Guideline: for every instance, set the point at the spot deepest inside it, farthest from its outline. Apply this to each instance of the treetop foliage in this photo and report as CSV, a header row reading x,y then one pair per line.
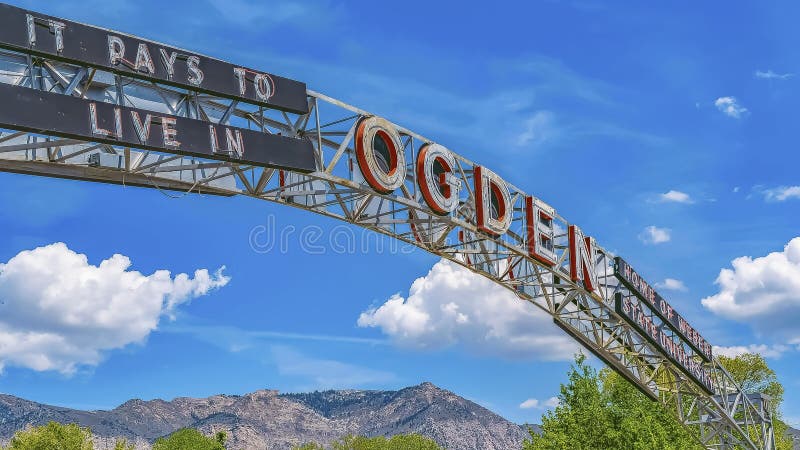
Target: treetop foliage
x,y
53,436
753,374
189,438
57,436
601,410
398,442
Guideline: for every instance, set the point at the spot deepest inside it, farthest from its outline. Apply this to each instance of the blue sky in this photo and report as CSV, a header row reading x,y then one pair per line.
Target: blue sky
x,y
667,132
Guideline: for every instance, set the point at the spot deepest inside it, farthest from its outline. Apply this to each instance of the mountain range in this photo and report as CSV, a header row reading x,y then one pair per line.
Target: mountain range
x,y
269,420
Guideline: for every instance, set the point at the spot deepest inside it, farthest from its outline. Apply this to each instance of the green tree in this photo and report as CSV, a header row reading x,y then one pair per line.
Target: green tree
x,y
190,439
753,374
603,411
123,444
221,437
309,446
398,442
640,422
53,436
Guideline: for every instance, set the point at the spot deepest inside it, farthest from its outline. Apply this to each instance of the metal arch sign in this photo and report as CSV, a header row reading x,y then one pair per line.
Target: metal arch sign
x,y
431,182
360,169
65,40
380,152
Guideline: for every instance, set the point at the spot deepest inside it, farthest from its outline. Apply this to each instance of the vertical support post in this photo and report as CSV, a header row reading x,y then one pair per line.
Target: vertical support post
x,y
120,93
320,154
33,73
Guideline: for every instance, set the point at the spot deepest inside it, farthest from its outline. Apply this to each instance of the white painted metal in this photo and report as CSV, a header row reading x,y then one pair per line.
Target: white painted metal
x,y
336,189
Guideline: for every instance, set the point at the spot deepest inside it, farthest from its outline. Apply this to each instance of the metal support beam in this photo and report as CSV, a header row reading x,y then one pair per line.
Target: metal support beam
x,y
728,418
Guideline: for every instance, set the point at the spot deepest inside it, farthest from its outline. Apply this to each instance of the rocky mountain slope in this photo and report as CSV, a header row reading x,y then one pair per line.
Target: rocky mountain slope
x,y
795,435
269,420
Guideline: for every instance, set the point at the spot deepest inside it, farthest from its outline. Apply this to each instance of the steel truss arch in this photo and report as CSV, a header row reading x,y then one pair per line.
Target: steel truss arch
x,y
337,189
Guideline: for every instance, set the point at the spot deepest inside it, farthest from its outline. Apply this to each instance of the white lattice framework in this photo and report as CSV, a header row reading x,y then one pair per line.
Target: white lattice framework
x,y
729,419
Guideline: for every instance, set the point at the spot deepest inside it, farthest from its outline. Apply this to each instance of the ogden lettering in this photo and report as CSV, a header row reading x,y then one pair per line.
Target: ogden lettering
x,y
582,257
540,231
439,186
492,202
380,155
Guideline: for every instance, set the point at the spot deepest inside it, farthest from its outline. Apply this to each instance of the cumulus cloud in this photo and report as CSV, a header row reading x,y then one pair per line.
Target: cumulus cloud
x,y
730,107
533,403
763,292
671,284
767,351
675,197
772,75
655,235
452,306
781,193
58,311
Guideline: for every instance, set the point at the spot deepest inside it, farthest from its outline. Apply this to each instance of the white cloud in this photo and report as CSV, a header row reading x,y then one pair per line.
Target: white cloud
x,y
453,306
57,311
763,292
533,403
781,193
552,402
655,235
326,373
771,75
237,339
671,284
676,197
730,107
767,351
537,129
510,111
